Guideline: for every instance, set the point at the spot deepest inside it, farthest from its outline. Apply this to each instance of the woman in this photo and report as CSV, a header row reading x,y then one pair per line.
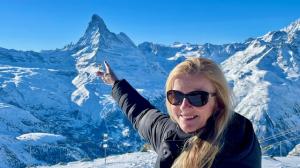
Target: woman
x,y
201,129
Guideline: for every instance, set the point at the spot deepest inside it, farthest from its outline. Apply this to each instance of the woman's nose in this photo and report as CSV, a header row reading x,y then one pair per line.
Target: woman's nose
x,y
185,104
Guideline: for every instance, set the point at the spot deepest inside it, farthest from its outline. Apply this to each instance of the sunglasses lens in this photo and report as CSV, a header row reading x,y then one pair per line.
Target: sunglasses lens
x,y
175,97
198,98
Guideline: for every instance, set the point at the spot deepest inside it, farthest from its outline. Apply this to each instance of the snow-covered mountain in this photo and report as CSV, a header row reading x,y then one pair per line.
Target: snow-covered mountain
x,y
266,81
264,75
60,94
54,109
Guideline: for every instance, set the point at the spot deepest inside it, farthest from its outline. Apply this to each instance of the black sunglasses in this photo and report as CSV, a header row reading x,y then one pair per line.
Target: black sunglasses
x,y
195,98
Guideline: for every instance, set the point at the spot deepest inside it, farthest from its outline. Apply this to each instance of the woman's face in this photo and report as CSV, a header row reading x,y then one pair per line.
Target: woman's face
x,y
191,118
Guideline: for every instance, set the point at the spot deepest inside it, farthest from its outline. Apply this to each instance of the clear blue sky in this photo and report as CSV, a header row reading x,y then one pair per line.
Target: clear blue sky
x,y
50,24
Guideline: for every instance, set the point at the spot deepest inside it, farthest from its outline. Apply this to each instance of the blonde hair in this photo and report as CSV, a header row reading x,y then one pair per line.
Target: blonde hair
x,y
202,152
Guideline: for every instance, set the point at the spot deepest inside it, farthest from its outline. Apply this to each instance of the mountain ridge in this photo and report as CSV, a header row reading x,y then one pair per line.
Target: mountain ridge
x,y
61,92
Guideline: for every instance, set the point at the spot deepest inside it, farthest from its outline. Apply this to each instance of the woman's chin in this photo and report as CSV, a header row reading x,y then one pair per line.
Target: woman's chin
x,y
188,129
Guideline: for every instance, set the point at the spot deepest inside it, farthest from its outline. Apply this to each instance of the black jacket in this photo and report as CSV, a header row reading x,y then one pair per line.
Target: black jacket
x,y
240,150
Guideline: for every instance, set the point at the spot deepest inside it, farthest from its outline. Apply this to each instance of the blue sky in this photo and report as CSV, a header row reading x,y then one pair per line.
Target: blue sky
x,y
50,24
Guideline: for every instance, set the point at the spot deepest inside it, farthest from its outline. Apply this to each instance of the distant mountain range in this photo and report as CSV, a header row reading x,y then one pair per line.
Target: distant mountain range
x,y
55,93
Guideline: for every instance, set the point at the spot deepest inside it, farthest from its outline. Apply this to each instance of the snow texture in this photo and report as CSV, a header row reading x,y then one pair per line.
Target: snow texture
x,y
54,109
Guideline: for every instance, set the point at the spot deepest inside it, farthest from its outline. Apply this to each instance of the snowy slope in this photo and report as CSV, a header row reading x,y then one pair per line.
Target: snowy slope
x,y
295,151
265,81
128,160
59,89
260,71
55,94
147,160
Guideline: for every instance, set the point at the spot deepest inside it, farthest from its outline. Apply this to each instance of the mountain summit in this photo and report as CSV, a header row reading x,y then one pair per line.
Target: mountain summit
x,y
97,22
293,31
98,36
293,27
94,32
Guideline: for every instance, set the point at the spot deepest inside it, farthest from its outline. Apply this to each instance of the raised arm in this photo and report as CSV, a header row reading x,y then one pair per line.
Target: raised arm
x,y
150,122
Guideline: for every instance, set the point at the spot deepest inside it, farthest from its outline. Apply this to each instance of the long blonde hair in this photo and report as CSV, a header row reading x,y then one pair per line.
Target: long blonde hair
x,y
202,152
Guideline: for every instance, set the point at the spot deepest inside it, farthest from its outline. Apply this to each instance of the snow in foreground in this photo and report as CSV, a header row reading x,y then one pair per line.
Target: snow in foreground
x,y
128,160
147,160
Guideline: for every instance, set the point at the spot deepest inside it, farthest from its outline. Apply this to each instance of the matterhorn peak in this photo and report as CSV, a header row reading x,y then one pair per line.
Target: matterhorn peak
x,y
95,29
96,25
97,22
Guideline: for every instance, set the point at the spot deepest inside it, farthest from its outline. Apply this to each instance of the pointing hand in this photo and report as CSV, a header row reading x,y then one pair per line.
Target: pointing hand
x,y
108,76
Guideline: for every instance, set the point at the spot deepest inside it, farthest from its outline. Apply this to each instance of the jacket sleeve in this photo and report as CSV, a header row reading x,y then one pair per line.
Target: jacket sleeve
x,y
150,122
241,148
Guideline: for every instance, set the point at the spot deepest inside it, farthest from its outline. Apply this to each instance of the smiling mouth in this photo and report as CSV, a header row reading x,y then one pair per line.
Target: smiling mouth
x,y
189,117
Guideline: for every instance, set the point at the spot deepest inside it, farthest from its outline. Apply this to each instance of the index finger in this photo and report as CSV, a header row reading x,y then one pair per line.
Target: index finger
x,y
107,67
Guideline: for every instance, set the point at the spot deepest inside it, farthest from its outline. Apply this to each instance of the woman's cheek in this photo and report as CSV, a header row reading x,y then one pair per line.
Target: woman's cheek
x,y
175,112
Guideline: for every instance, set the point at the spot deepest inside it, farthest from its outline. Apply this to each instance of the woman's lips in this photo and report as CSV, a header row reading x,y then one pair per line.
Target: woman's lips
x,y
188,117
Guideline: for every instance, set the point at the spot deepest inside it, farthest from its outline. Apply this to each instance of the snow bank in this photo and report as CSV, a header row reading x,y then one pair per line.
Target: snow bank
x,y
40,138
